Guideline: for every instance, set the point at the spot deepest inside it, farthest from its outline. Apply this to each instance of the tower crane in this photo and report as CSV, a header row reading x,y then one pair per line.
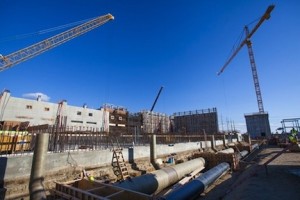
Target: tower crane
x,y
22,55
248,42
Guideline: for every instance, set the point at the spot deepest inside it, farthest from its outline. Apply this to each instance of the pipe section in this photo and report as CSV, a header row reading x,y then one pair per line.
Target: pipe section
x,y
158,180
224,141
227,151
36,186
242,154
194,188
254,146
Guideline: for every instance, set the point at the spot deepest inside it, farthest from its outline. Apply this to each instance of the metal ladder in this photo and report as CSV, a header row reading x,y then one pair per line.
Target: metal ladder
x,y
118,162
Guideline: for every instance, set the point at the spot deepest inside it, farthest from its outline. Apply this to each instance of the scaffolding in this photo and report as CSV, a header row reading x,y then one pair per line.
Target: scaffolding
x,y
154,122
288,124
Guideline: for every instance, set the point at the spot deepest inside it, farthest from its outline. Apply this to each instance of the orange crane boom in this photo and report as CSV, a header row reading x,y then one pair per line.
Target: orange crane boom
x,y
54,41
247,41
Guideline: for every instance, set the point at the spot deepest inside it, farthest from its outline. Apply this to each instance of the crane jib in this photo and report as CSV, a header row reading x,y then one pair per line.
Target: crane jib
x,y
54,41
247,41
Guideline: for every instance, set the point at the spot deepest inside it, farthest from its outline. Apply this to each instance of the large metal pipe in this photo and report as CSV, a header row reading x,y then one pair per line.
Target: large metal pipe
x,y
36,186
227,151
158,180
242,154
254,146
194,188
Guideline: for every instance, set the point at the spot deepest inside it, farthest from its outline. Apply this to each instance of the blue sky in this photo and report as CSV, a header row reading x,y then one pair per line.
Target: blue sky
x,y
178,44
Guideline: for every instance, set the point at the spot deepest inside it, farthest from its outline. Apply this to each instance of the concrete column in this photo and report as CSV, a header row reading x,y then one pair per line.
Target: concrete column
x,y
213,143
237,137
36,186
200,146
224,141
153,155
249,139
153,148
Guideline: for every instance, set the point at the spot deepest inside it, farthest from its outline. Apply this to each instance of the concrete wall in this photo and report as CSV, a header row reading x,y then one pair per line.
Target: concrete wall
x,y
196,121
258,124
62,167
18,166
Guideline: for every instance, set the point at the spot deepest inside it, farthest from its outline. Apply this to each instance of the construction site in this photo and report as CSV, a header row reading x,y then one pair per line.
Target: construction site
x,y
57,151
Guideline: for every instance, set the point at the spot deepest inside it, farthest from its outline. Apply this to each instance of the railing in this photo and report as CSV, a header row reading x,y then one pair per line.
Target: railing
x,y
16,143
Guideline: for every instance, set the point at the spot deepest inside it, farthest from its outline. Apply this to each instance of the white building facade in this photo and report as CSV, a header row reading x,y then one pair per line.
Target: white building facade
x,y
38,112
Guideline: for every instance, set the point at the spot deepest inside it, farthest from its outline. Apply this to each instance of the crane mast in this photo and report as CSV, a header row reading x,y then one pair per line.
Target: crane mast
x,y
254,74
22,55
248,42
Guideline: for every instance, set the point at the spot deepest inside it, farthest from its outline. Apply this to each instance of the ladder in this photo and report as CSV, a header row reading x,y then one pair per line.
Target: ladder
x,y
118,163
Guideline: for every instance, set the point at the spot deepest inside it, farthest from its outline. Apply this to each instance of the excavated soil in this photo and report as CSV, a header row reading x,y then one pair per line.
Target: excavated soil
x,y
281,179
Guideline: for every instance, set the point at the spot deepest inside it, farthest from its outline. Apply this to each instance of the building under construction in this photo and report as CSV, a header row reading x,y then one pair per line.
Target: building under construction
x,y
118,117
148,122
109,118
197,121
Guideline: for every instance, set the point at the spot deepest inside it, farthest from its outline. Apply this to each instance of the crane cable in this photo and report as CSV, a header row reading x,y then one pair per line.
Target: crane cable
x,y
26,35
240,39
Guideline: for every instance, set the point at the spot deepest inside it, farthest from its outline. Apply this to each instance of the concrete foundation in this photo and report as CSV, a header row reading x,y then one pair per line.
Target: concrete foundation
x,y
15,170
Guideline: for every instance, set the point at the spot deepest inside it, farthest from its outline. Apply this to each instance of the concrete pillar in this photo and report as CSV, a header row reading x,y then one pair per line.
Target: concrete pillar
x,y
36,186
153,148
249,139
237,137
153,155
200,146
224,141
213,143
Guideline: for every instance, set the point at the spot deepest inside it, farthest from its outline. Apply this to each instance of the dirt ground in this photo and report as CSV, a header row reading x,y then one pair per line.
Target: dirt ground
x,y
280,181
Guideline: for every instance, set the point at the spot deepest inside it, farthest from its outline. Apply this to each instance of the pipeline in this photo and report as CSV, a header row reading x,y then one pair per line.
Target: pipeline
x,y
227,151
194,188
242,154
254,146
158,180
